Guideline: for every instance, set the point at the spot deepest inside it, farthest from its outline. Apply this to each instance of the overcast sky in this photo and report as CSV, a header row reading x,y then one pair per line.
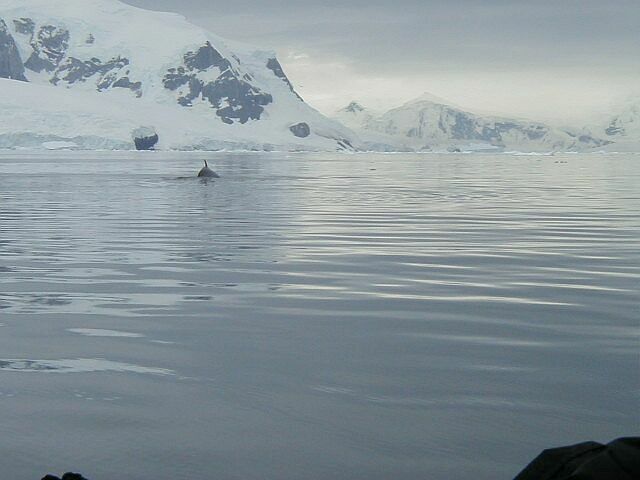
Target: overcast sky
x,y
558,60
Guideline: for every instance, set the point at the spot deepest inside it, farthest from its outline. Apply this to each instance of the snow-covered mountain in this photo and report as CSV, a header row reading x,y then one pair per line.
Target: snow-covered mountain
x,y
90,72
355,116
623,128
364,121
428,123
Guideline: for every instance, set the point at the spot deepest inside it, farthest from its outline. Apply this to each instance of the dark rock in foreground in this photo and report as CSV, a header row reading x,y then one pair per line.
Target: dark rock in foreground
x,y
618,460
66,476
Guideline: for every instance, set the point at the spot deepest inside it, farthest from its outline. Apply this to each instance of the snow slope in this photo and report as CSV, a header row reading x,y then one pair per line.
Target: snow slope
x,y
89,72
623,128
427,123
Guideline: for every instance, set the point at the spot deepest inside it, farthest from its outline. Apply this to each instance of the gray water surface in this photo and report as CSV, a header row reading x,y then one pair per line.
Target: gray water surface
x,y
314,316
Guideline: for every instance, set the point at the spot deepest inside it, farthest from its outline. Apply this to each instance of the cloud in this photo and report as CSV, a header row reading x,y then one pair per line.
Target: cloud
x,y
523,57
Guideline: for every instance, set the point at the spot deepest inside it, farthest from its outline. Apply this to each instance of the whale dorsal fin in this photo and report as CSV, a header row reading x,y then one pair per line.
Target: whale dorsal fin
x,y
205,164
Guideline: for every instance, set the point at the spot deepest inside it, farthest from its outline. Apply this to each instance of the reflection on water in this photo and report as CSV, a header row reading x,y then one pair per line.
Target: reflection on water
x,y
78,365
312,316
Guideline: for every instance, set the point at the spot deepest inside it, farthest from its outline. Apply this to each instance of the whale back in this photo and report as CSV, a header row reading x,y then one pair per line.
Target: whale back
x,y
207,172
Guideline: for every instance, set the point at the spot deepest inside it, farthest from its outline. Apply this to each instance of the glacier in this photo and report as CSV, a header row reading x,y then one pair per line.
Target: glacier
x,y
93,74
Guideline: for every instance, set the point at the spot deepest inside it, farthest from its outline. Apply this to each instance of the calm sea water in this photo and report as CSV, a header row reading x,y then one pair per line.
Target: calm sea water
x,y
314,316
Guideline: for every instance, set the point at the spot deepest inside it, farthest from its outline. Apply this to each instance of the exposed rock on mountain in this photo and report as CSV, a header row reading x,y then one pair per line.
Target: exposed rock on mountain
x,y
141,67
10,62
627,122
274,65
427,124
622,128
49,47
104,75
242,100
356,116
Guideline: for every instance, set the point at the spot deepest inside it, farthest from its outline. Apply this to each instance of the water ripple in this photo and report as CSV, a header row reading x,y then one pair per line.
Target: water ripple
x,y
330,316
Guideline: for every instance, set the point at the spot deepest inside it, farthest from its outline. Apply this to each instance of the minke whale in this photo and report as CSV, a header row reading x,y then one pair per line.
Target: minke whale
x,y
207,172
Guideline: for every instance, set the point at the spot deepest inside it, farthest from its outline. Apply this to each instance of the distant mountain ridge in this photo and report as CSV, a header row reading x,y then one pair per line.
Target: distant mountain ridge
x,y
624,127
428,124
146,68
88,74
